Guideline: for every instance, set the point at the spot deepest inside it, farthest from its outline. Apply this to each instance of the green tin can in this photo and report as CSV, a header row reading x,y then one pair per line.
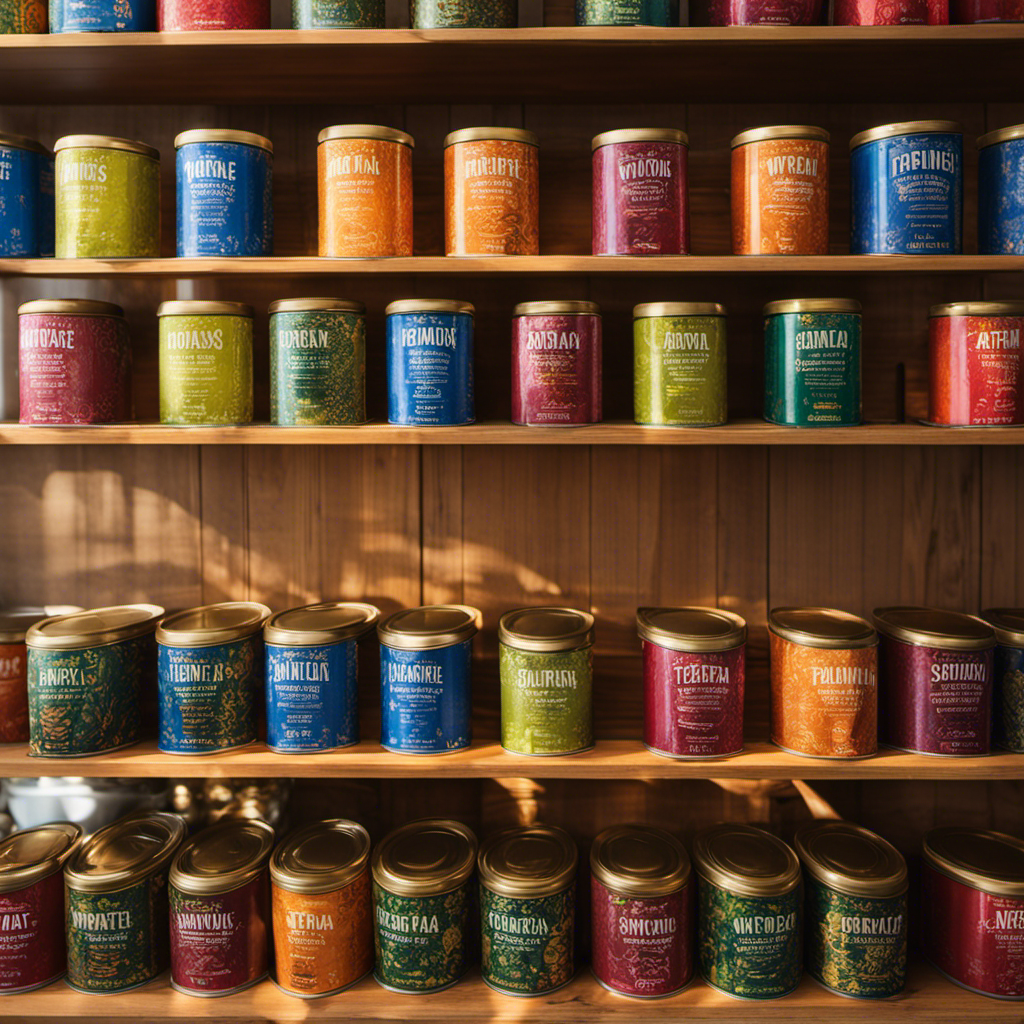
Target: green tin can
x,y
812,362
679,364
317,362
749,912
107,195
338,13
464,13
205,363
423,922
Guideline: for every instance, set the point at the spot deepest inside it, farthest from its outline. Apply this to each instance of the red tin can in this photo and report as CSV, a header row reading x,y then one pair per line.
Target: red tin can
x,y
211,15
756,12
890,12
973,12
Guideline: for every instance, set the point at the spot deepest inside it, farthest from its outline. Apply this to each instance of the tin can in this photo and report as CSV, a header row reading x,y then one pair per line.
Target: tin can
x,y
210,663
102,16
546,658
749,912
490,193
972,905
527,909
107,197
641,912
935,678
1001,191
973,12
464,13
627,12
33,952
26,196
907,188
23,17
855,909
317,362
756,12
74,362
212,15
1007,678
312,683
220,908
430,362
364,185
224,188
426,702
310,14
640,205
323,915
87,673
115,892
205,363
423,905
812,363
890,12
556,363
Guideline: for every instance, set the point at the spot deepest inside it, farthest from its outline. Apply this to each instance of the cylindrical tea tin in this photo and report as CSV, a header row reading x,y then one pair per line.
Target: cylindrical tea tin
x,y
307,14
87,674
527,909
627,12
23,17
1007,678
463,13
220,908
490,193
323,915
312,683
1001,191
546,662
907,188
364,184
317,362
824,682
205,363
210,667
212,15
973,12
430,362
972,905
115,894
812,362
694,673
102,16
935,680
32,953
889,12
974,367
855,912
107,197
556,363
423,905
640,204
755,12
780,191
641,912
74,362
26,209
750,911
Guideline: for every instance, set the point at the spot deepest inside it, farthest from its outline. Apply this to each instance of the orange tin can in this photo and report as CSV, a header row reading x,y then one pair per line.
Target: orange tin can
x,y
780,191
364,185
490,193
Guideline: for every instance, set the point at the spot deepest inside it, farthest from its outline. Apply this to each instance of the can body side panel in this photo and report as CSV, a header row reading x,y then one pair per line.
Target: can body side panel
x,y
33,949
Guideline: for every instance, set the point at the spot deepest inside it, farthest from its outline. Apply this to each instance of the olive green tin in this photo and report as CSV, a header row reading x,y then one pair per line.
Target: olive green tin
x,y
338,14
464,13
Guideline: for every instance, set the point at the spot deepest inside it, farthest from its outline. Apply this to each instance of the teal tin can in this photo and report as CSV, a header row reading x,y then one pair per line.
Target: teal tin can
x,y
338,13
812,362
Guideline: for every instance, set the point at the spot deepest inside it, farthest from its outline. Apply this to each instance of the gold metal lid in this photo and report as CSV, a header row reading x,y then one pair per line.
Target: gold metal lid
x,y
691,629
490,135
308,305
546,629
1015,131
554,307
812,306
1008,308
825,628
780,131
429,306
203,307
94,628
531,861
433,625
680,138
935,627
889,131
321,857
125,852
637,860
28,856
223,857
315,624
365,131
16,622
212,624
222,135
76,307
745,860
425,858
649,309
990,861
105,142
14,141
1008,624
851,859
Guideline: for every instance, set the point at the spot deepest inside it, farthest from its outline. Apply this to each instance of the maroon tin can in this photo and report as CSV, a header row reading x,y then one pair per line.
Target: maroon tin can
x,y
220,908
640,198
74,362
934,680
694,669
756,12
890,12
641,912
975,12
973,909
211,15
556,363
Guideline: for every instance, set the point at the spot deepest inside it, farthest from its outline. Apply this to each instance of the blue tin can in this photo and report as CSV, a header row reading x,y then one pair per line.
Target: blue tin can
x,y
224,193
430,362
907,189
425,670
209,671
26,197
102,16
312,682
1001,191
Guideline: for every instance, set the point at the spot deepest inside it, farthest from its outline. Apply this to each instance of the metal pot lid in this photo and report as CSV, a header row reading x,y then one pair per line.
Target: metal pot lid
x,y
616,135
425,858
94,628
653,309
935,627
16,622
812,306
429,306
203,307
72,307
851,859
977,308
223,135
318,303
429,627
532,861
212,624
326,623
1014,131
556,307
545,630
223,857
637,860
780,131
1008,624
745,860
491,135
105,142
11,140
32,854
822,627
322,857
365,131
889,131
990,861
693,629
